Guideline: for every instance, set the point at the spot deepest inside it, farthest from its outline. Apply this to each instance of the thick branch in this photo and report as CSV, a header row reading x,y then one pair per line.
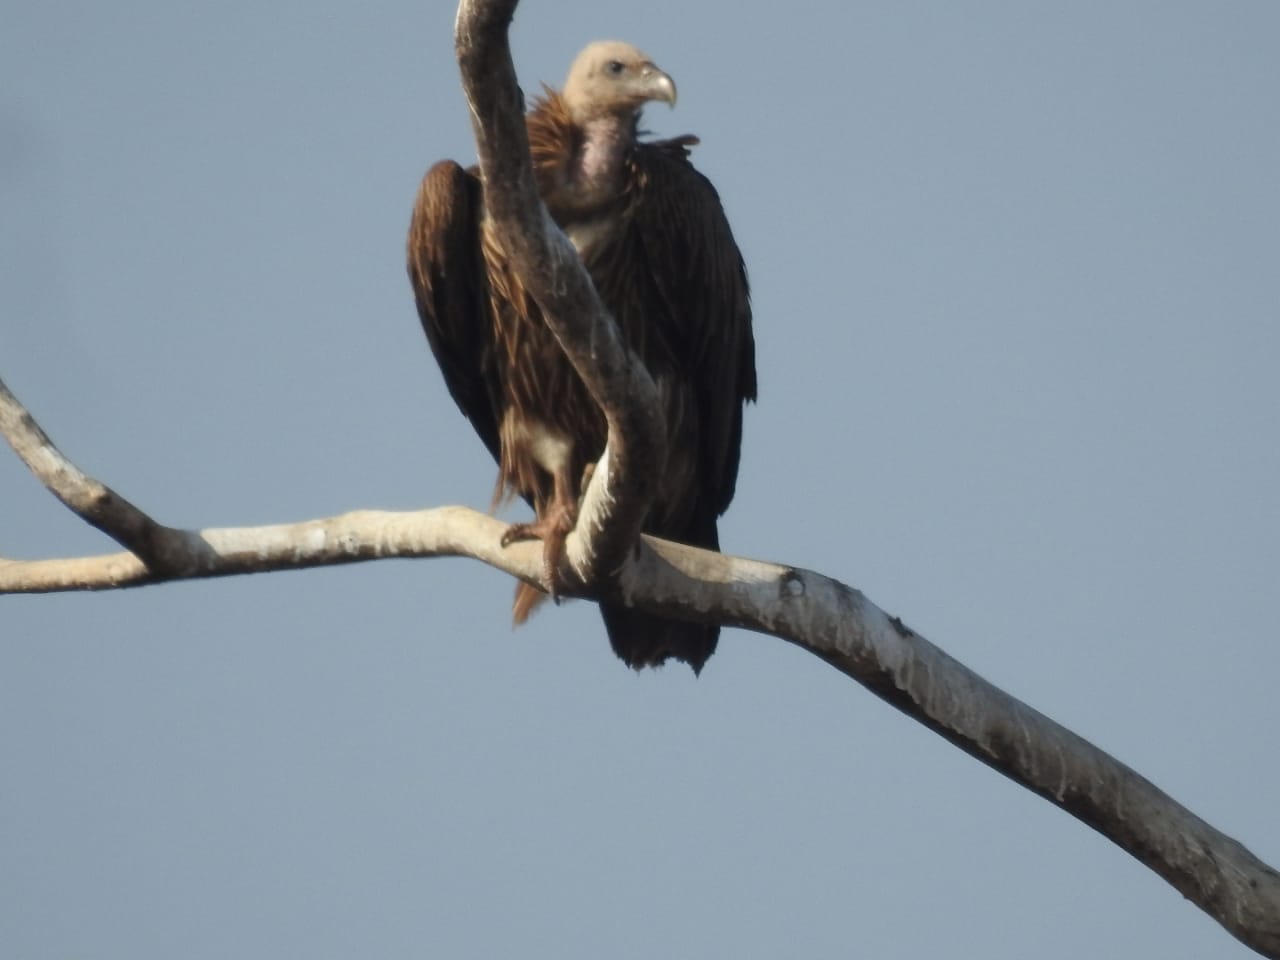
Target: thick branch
x,y
349,538
844,628
549,268
831,620
825,617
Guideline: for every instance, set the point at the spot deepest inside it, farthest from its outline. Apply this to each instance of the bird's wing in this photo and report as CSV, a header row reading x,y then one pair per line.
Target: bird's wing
x,y
446,268
698,271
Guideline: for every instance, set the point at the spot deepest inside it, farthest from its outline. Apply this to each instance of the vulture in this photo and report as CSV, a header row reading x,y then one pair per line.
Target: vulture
x,y
652,234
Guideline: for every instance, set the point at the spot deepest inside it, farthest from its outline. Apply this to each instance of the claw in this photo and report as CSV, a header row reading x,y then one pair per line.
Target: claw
x,y
555,520
518,533
553,530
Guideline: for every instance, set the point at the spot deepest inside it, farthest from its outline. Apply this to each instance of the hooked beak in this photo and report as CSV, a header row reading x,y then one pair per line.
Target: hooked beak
x,y
659,86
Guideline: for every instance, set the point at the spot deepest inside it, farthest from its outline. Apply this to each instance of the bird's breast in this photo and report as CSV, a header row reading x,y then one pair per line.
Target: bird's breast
x,y
549,447
588,233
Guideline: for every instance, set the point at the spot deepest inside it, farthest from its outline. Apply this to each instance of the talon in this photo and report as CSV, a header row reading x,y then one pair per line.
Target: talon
x,y
520,532
555,521
553,530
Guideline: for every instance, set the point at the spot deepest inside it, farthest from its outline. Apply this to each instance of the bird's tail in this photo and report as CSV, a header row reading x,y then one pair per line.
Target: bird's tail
x,y
644,640
639,639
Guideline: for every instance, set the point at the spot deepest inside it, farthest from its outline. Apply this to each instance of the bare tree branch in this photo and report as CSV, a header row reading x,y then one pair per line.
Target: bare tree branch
x,y
622,487
95,503
821,615
825,617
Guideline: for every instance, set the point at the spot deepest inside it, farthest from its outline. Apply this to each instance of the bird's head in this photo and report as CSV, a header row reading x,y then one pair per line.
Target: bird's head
x,y
610,78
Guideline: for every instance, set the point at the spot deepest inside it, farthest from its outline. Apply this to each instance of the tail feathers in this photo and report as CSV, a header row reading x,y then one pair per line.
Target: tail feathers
x,y
639,639
643,640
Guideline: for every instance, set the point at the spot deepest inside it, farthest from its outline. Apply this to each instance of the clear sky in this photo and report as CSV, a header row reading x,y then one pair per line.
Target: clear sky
x,y
1016,277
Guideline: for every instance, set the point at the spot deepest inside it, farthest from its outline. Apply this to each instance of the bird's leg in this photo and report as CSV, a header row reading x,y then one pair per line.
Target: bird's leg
x,y
552,527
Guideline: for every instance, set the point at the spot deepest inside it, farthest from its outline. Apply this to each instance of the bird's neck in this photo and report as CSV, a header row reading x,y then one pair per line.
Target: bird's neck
x,y
601,159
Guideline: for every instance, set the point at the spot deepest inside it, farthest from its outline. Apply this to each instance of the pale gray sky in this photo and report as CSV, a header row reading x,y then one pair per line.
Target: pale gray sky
x,y
1017,286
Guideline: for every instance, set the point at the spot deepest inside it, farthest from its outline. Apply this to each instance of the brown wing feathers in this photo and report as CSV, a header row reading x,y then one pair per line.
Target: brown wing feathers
x,y
448,280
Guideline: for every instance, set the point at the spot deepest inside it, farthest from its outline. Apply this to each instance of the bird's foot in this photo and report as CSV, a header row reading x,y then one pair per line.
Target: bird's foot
x,y
553,529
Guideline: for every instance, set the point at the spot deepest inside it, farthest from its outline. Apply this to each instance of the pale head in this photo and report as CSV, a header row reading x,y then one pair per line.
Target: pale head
x,y
614,79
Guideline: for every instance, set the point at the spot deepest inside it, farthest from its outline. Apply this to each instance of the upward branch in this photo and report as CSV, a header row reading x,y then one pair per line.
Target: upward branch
x,y
93,501
548,266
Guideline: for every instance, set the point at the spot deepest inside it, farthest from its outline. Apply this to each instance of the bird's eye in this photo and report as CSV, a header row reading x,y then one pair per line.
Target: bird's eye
x,y
614,67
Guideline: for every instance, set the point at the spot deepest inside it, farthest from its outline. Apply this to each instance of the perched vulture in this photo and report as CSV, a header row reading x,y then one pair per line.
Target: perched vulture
x,y
653,236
